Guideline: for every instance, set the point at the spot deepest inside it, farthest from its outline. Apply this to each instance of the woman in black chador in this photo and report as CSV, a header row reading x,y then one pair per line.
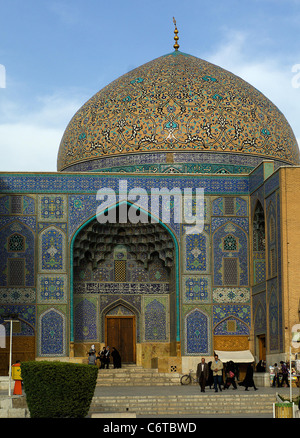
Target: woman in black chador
x,y
248,380
116,358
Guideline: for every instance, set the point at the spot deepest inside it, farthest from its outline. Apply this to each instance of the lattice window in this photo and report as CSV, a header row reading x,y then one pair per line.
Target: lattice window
x,y
16,242
229,205
120,270
229,243
16,272
16,204
230,267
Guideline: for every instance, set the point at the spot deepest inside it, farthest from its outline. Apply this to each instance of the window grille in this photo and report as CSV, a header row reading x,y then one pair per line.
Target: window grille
x,y
229,205
16,272
230,266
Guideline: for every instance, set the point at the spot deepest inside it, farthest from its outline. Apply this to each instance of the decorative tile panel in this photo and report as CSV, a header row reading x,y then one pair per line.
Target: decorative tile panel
x,y
52,250
24,295
155,319
197,332
52,208
231,295
52,333
52,288
196,289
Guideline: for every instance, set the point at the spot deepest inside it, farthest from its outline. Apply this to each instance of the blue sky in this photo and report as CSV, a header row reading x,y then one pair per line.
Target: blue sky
x,y
56,54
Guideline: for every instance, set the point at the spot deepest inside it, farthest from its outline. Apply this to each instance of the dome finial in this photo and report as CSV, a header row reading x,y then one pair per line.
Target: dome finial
x,y
176,37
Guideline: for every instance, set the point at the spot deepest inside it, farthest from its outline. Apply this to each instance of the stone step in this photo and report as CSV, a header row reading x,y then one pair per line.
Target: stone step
x,y
136,376
185,405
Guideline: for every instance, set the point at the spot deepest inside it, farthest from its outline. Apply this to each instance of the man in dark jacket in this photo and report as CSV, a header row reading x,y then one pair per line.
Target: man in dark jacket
x,y
202,374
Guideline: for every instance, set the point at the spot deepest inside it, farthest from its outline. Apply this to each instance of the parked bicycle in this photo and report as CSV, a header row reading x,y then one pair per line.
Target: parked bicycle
x,y
187,379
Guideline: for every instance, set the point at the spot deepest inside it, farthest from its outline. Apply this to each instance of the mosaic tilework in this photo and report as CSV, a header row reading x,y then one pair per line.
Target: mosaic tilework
x,y
52,208
191,162
196,289
155,317
231,327
197,333
196,253
231,295
26,313
6,253
52,288
238,312
231,227
26,205
52,333
29,221
120,311
259,271
23,295
191,113
85,317
52,250
259,313
273,322
240,207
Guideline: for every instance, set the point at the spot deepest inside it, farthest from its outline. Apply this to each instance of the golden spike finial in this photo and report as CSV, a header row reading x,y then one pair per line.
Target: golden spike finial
x,y
176,37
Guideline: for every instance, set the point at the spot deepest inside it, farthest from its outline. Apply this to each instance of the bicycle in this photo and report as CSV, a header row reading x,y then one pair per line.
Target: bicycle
x,y
187,379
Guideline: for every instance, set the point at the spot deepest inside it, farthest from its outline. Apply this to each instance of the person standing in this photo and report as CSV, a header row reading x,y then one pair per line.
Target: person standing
x,y
276,376
217,369
248,380
102,357
284,372
107,357
230,372
116,358
202,374
92,356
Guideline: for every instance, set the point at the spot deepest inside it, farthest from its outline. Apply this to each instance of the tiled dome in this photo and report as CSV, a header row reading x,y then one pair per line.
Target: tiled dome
x,y
176,103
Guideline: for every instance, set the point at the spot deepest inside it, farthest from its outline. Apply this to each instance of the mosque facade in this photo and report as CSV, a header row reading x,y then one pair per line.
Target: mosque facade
x,y
86,260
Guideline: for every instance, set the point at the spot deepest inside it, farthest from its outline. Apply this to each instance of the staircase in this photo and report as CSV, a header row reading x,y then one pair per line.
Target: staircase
x,y
133,375
185,405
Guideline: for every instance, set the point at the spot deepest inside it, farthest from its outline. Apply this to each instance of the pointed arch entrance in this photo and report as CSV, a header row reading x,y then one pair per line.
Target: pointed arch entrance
x,y
135,263
120,329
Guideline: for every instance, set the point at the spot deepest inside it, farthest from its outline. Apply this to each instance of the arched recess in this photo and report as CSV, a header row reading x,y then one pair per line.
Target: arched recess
x,y
176,260
23,341
231,333
198,333
230,265
52,334
258,244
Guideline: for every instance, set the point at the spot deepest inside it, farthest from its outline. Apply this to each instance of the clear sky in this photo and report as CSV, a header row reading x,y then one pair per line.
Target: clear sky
x,y
56,54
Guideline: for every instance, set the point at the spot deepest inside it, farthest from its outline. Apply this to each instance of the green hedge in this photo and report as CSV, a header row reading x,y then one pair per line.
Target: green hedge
x,y
58,389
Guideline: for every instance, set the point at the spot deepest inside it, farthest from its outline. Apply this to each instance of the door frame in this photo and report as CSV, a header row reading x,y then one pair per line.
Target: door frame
x,y
133,330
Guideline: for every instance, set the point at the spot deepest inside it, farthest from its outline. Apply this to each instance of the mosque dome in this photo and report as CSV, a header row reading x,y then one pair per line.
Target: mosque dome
x,y
177,111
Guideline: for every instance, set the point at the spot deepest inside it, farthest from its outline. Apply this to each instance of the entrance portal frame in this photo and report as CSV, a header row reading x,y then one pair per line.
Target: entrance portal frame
x,y
174,238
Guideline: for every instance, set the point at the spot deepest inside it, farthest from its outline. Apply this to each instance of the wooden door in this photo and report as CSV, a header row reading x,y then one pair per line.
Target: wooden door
x,y
120,333
262,347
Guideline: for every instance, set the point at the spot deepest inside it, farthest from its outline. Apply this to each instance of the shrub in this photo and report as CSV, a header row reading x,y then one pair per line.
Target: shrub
x,y
58,389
